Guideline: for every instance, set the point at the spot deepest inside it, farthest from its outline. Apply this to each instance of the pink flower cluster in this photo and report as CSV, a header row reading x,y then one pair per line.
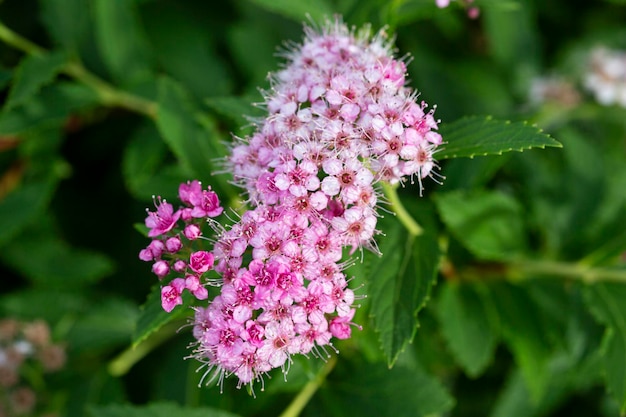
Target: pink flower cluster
x,y
340,119
175,234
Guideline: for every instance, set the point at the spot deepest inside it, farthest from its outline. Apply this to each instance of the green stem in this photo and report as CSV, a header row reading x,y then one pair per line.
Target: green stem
x,y
396,206
13,39
304,396
589,275
109,95
129,357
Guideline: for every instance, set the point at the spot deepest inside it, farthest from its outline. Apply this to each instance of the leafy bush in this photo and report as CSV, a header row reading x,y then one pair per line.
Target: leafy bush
x,y
500,291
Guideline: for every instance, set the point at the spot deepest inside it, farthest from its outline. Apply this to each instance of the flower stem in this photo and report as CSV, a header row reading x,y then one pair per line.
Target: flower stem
x,y
109,95
588,275
396,205
129,357
302,399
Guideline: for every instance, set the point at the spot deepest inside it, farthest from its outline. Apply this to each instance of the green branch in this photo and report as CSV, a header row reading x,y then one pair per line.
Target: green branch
x,y
527,268
304,396
109,95
398,208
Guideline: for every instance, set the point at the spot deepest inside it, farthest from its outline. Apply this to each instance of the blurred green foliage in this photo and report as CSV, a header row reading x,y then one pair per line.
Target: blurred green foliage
x,y
519,277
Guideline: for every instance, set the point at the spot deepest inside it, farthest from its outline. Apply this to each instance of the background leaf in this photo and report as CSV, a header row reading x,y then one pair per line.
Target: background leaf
x,y
476,136
488,223
156,409
298,11
402,280
607,302
121,41
466,320
34,72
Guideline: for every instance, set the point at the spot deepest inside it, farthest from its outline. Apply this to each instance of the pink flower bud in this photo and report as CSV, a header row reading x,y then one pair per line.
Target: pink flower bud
x,y
160,268
173,244
192,232
157,248
180,266
201,261
146,255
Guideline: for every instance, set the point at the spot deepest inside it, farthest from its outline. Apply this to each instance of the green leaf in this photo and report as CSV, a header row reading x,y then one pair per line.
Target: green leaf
x,y
375,390
156,409
522,328
107,324
185,49
49,304
488,223
50,107
197,147
42,255
5,77
120,40
401,281
606,302
34,72
238,109
298,10
67,21
152,316
479,135
466,323
23,205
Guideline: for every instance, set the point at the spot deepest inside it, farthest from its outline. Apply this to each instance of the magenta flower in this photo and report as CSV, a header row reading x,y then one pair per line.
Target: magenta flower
x,y
201,261
171,294
163,220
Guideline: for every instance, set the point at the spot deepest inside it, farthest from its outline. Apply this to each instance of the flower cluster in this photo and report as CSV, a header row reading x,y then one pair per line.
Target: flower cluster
x,y
606,77
339,120
24,344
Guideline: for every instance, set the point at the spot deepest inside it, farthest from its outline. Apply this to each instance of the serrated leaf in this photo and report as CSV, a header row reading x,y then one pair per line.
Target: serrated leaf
x,y
47,260
400,284
51,106
152,316
156,409
197,147
298,10
374,390
467,327
479,135
487,223
606,302
120,40
34,72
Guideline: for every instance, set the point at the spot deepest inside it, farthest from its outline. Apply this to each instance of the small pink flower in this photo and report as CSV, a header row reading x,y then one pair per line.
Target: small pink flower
x,y
171,294
163,220
201,261
192,283
206,204
190,191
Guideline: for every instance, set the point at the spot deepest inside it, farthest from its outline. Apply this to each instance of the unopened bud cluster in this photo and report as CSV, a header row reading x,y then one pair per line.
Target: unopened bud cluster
x,y
339,120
